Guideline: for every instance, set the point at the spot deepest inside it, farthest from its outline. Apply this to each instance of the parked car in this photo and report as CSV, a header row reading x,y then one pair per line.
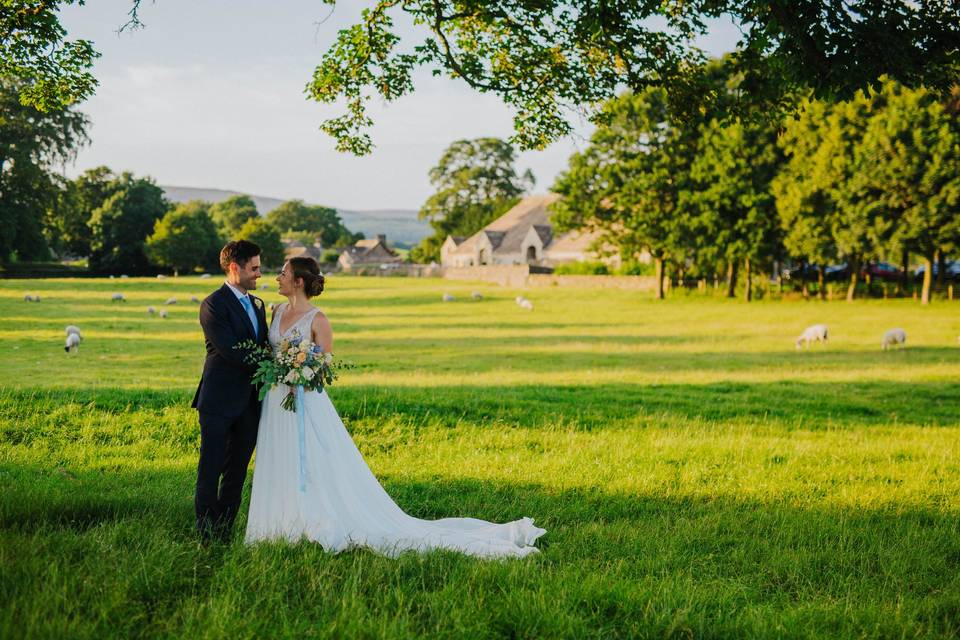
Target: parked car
x,y
882,271
836,272
952,269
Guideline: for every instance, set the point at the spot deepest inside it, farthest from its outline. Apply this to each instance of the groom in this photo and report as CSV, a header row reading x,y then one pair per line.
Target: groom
x,y
226,400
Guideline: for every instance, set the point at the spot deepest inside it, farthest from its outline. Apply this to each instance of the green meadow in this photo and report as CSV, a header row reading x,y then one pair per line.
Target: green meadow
x,y
698,476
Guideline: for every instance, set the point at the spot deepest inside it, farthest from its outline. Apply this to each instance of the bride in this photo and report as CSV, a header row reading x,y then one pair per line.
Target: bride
x,y
338,502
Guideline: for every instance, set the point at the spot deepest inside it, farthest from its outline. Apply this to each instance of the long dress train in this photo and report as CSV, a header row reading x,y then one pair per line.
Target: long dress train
x,y
341,504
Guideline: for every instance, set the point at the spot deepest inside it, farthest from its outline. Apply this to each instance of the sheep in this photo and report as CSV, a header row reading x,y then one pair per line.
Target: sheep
x,y
523,303
28,298
163,313
151,310
813,333
75,330
123,275
892,338
160,276
117,297
448,298
204,276
264,287
194,299
476,295
170,301
72,344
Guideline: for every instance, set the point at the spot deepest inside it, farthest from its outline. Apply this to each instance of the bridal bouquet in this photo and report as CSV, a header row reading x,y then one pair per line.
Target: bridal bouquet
x,y
297,362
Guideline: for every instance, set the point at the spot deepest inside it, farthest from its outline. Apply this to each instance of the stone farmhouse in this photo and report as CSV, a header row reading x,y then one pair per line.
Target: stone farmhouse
x,y
295,248
368,253
523,235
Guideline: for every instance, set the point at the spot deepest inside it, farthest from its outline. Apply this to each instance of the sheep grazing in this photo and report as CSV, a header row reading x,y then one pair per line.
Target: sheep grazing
x,y
160,276
163,313
523,303
117,297
123,275
893,338
194,299
75,330
170,301
151,310
476,295
448,298
73,343
813,333
204,276
30,298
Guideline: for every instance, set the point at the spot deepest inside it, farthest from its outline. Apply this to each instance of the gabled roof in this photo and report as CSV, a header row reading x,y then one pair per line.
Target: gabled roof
x,y
507,232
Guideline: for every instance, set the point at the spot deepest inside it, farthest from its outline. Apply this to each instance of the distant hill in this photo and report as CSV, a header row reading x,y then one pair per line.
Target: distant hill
x,y
399,225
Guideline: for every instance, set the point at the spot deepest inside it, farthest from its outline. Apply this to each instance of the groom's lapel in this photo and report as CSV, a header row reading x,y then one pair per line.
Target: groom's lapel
x,y
261,313
237,308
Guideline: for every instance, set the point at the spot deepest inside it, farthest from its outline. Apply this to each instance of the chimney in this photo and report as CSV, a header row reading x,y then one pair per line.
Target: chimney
x,y
382,238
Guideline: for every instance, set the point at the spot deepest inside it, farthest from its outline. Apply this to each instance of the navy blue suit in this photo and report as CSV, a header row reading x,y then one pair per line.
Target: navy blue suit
x,y
228,408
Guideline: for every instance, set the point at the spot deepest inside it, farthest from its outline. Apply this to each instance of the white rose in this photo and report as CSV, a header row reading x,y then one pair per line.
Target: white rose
x,y
307,373
291,377
328,358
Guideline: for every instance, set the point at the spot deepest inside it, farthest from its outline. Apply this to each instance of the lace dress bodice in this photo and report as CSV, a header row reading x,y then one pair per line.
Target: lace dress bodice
x,y
302,325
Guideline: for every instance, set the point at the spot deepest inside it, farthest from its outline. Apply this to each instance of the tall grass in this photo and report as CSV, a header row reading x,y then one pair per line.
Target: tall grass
x,y
697,475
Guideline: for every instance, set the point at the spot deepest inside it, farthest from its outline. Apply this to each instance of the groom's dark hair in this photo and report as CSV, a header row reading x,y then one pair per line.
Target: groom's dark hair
x,y
239,251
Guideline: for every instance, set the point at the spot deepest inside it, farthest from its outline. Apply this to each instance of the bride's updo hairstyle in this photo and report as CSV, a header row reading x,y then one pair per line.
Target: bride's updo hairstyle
x,y
307,269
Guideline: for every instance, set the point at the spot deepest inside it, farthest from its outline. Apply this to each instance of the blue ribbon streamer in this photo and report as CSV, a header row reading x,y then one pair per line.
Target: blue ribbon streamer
x,y
302,438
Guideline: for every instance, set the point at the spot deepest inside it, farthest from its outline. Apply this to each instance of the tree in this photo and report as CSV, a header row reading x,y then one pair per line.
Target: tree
x,y
68,221
913,150
32,144
735,211
120,226
264,234
628,182
185,238
294,216
801,191
52,73
544,57
231,214
475,182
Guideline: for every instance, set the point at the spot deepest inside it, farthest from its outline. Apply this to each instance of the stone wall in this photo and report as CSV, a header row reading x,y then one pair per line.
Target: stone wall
x,y
522,276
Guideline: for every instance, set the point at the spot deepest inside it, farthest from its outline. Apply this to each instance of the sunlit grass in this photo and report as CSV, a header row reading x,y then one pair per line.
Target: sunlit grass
x,y
697,475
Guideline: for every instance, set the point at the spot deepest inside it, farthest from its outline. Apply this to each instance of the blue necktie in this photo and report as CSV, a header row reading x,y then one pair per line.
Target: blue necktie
x,y
245,301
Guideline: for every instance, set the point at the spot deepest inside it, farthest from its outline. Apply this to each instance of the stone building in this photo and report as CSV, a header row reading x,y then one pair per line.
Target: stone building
x,y
523,235
368,253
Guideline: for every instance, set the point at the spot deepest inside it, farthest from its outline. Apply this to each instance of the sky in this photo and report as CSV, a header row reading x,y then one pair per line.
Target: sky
x,y
211,94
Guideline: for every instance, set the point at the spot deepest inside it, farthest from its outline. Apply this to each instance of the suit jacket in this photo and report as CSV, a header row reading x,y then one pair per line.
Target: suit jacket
x,y
225,386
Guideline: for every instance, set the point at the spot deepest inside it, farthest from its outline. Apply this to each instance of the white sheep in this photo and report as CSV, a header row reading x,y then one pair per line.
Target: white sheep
x,y
523,303
476,295
151,310
813,333
194,299
73,343
448,298
75,330
28,298
892,338
123,275
170,301
160,276
204,276
117,297
163,313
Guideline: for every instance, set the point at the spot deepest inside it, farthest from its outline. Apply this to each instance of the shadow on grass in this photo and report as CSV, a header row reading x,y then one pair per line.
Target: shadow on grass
x,y
784,404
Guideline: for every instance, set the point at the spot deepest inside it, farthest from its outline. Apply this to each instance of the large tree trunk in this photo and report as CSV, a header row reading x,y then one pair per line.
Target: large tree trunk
x,y
732,279
904,273
854,277
821,282
803,280
927,279
747,281
658,267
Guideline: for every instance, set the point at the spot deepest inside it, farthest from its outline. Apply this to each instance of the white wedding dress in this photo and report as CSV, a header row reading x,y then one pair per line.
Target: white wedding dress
x,y
338,502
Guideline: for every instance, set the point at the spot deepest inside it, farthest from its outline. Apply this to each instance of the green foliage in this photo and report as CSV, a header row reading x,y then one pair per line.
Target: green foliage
x,y
543,58
475,182
697,476
186,238
120,226
294,216
265,235
330,256
231,214
33,145
53,73
582,269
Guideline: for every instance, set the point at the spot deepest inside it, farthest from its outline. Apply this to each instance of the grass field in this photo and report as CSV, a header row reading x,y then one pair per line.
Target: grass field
x,y
698,477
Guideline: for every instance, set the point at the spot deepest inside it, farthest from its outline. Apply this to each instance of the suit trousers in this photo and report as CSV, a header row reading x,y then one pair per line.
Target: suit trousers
x,y
226,446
